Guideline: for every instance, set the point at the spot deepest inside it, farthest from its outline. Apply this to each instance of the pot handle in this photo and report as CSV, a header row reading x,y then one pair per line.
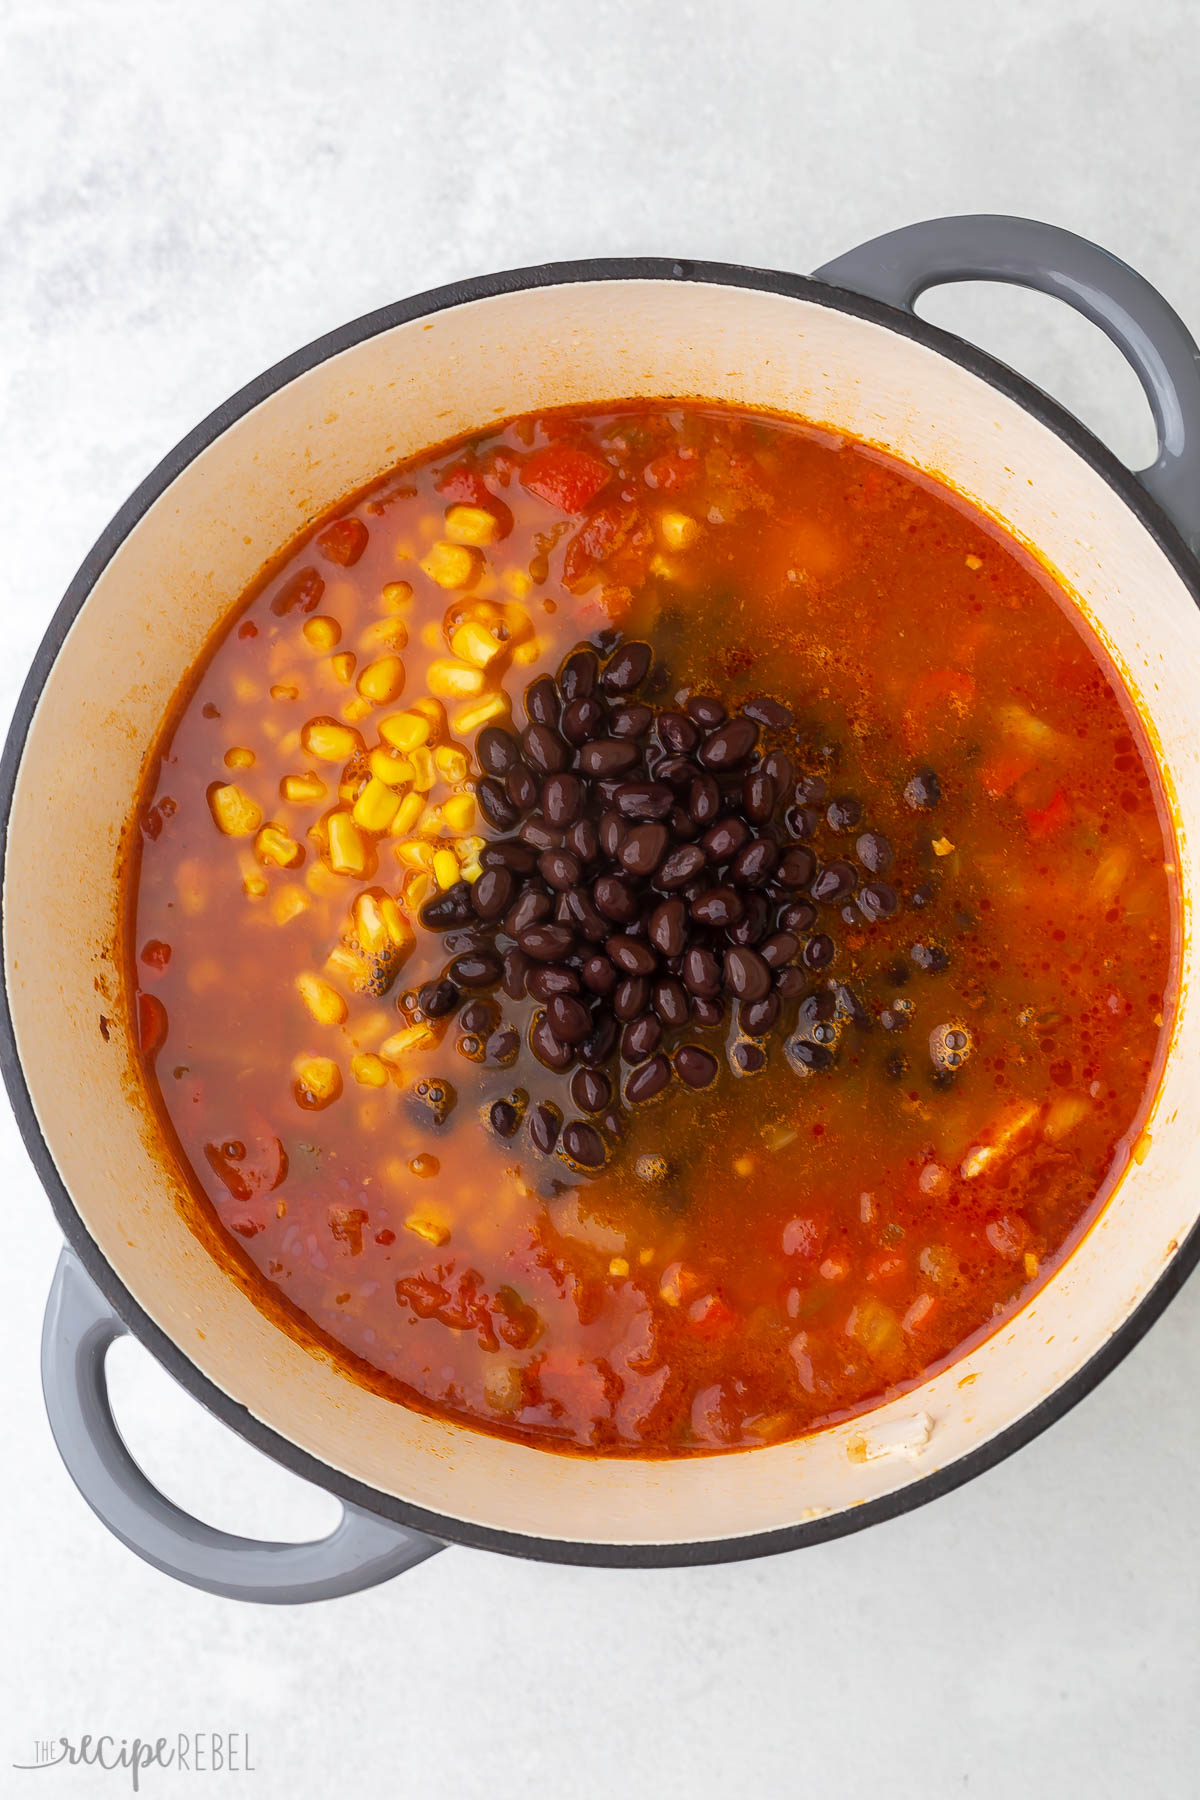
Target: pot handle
x,y
361,1551
900,265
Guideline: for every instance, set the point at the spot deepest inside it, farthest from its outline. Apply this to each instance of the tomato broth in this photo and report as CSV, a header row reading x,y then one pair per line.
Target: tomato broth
x,y
534,1127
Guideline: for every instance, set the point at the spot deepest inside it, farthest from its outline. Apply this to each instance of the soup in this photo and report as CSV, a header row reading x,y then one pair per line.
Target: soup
x,y
651,931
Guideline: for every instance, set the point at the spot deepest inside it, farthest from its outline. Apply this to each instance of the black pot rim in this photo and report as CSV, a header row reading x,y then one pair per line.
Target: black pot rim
x,y
444,1527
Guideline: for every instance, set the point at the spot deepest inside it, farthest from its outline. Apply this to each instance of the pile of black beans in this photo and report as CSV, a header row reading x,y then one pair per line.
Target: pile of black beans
x,y
652,873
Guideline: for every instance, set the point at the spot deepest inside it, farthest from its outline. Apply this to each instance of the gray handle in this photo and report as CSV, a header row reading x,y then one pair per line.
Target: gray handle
x,y
899,266
360,1552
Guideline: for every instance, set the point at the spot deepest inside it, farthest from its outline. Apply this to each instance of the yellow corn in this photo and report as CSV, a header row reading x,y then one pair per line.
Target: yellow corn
x,y
382,681
413,1037
322,1000
322,633
471,869
376,806
285,690
431,635
411,808
471,525
416,890
302,789
398,927
254,885
450,763
432,823
392,633
415,855
278,846
489,706
404,731
235,813
454,680
459,812
452,565
445,868
343,963
388,766
474,644
678,530
369,926
528,652
319,1079
347,852
397,594
427,1226
331,742
289,903
422,769
518,583
369,1071
321,880
343,666
239,758
431,709
356,709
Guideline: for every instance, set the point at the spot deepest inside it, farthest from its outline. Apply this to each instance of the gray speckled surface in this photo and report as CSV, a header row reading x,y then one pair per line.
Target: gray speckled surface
x,y
188,193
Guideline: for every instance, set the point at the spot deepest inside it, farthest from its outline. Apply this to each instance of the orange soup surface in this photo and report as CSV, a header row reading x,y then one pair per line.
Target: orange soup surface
x,y
650,931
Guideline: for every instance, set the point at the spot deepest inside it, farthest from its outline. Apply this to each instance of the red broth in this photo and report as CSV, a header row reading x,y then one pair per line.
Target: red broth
x,y
785,1245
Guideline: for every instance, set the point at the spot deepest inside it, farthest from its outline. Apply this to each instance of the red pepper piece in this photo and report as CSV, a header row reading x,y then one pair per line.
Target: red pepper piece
x,y
566,477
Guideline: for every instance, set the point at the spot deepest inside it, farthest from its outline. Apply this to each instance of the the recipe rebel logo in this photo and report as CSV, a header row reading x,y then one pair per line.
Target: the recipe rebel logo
x,y
190,1752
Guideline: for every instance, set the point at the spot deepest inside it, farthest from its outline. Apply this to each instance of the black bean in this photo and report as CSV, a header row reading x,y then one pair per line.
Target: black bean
x,y
801,821
516,968
676,771
583,1144
754,862
748,1059
753,922
644,849
835,881
628,668
707,710
549,979
542,701
697,1067
704,799
701,972
503,1045
549,1048
546,943
759,796
544,749
521,786
438,998
798,915
539,836
559,869
677,734
790,982
874,852
930,957
492,894
629,955
495,804
591,1090
630,721
476,968
811,790
630,996
667,928
670,1002
877,900
583,839
843,813
746,974
449,909
818,952
718,907
707,1013
562,799
768,712
681,825
497,750
479,1016
796,867
613,832
581,915
923,791
756,1017
849,1006
598,974
579,674
729,746
510,853
679,867
504,1118
614,896
644,799
607,757
569,1018
722,841
640,1038
779,949
648,1079
582,720
545,1123
780,768
807,1058
533,907
601,1040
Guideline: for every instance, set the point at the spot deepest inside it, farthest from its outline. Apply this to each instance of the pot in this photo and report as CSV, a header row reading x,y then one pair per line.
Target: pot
x,y
843,347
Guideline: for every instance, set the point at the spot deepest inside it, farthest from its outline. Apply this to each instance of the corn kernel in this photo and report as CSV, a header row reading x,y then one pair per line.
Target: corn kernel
x,y
422,769
278,846
322,1000
474,644
452,565
302,789
239,758
454,680
679,530
348,967
322,881
417,889
390,633
431,709
319,1081
289,903
376,806
398,927
518,583
459,812
331,742
382,681
618,1267
343,666
404,731
471,525
528,652
397,594
413,1037
432,823
322,633
471,869
254,885
235,813
387,766
450,762
411,808
415,855
369,1071
445,868
285,690
432,1229
356,709
347,852
490,706
431,635
369,927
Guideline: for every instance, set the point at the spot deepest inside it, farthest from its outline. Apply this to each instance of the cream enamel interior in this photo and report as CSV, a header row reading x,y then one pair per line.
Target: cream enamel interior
x,y
187,561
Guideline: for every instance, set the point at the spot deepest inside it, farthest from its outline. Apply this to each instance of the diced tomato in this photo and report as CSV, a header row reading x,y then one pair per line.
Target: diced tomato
x,y
710,1317
343,542
1044,823
596,540
302,593
151,1024
565,476
156,955
1003,771
672,471
462,485
940,697
515,1320
346,1223
426,1297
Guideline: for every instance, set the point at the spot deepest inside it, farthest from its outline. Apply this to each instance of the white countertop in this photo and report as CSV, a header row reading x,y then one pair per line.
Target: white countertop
x,y
188,193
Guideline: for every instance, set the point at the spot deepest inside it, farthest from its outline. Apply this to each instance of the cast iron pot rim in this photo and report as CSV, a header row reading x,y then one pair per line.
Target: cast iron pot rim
x,y
462,1531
